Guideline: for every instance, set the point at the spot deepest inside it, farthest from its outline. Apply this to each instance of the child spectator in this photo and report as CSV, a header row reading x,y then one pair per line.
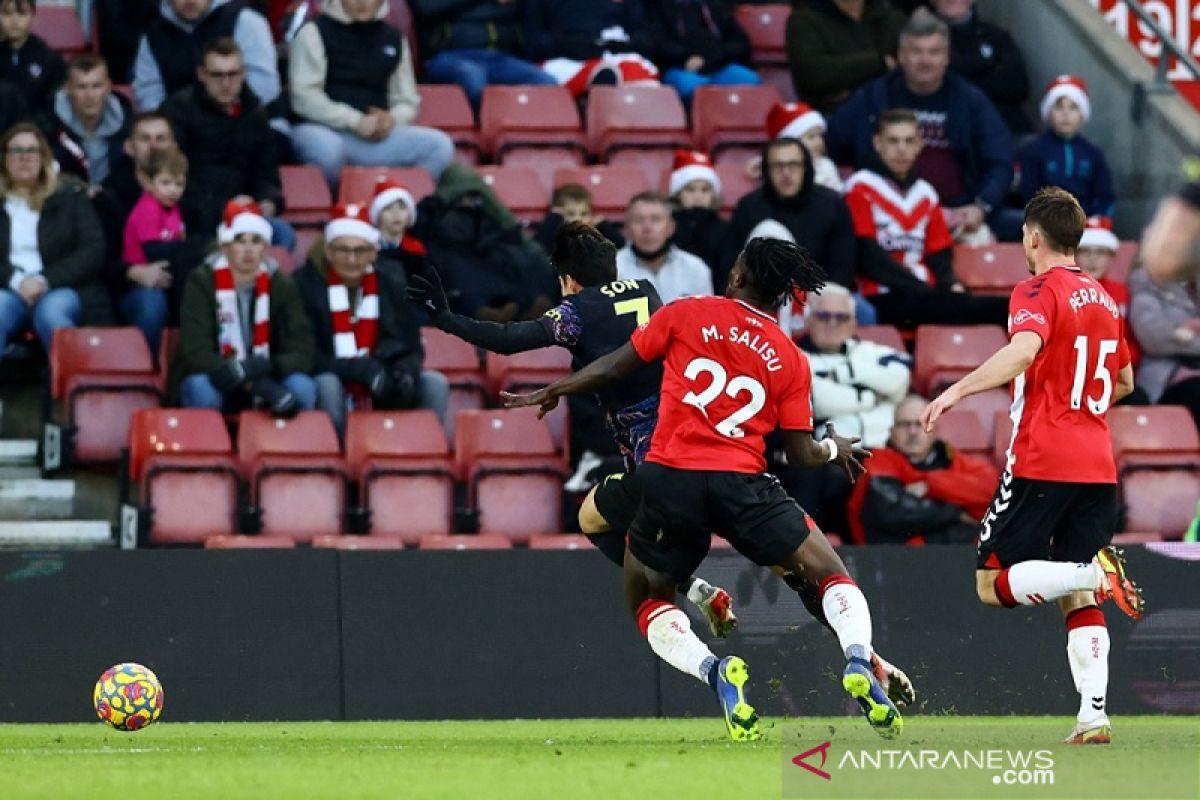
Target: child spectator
x,y
1061,156
801,121
393,212
155,217
25,60
572,202
695,189
1094,255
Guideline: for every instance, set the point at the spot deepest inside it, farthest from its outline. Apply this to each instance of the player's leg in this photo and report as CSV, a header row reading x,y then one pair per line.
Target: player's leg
x,y
1087,654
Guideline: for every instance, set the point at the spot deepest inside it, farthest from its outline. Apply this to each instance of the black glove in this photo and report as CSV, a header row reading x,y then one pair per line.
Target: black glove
x,y
275,397
428,293
404,388
368,372
256,367
228,376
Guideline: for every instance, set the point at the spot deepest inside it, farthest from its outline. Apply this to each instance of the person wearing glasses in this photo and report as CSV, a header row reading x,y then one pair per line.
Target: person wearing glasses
x,y
51,243
366,337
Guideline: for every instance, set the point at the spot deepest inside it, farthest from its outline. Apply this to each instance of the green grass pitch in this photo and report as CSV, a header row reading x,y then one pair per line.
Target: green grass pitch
x,y
525,759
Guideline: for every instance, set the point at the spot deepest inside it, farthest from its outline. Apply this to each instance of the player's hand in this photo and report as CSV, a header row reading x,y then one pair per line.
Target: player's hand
x,y
850,456
940,405
543,398
428,293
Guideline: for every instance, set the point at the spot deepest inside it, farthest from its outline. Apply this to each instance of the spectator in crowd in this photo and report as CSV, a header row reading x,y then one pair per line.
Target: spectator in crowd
x,y
26,60
489,270
835,46
1095,253
224,131
353,89
1164,314
905,250
699,43
919,489
800,121
169,52
53,248
1061,156
986,55
695,190
120,25
474,43
968,153
154,223
393,213
244,339
1169,246
650,255
367,341
586,42
814,215
572,202
13,108
89,123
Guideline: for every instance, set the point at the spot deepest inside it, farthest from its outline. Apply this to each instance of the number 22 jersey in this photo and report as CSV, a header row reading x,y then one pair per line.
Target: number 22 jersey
x,y
730,377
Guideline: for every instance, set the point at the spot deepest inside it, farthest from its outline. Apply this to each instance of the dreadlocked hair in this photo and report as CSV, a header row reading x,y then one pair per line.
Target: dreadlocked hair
x,y
778,267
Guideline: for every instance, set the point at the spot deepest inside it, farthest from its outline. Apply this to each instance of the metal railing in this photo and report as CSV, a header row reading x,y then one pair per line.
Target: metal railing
x,y
1160,84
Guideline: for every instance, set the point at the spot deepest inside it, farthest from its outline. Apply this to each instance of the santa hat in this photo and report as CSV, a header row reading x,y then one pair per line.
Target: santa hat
x,y
692,166
351,219
792,120
388,191
1071,86
1098,233
242,218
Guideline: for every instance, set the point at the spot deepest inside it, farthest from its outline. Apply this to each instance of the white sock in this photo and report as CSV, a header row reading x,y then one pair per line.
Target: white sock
x,y
1032,583
1087,653
848,613
694,589
669,632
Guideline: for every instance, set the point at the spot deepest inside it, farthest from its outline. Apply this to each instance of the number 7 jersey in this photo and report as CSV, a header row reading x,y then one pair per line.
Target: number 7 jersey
x,y
1060,401
730,377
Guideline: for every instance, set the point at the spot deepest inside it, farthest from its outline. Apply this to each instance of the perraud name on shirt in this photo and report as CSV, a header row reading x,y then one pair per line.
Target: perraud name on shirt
x,y
1086,296
753,340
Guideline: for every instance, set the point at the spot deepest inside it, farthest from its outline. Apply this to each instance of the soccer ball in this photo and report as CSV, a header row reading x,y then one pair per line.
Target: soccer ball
x,y
128,697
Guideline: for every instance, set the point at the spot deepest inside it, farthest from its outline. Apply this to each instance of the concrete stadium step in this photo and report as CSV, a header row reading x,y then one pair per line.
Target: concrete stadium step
x,y
18,451
56,533
34,498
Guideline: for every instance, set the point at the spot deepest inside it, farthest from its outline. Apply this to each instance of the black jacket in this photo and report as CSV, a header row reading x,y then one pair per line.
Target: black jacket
x,y
120,25
38,72
703,233
227,155
13,108
986,55
468,25
571,28
706,28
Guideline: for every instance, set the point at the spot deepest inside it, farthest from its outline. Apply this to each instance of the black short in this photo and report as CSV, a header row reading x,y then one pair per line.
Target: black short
x,y
1032,520
681,509
617,499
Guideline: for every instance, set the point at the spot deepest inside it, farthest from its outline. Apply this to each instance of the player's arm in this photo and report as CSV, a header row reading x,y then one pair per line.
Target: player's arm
x,y
496,337
1005,364
1124,383
805,452
600,374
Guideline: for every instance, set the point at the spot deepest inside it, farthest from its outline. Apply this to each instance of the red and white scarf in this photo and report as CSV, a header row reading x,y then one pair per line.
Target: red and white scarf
x,y
354,333
229,327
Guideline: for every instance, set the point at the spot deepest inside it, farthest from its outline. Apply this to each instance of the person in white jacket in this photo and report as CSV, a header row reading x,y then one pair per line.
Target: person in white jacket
x,y
352,85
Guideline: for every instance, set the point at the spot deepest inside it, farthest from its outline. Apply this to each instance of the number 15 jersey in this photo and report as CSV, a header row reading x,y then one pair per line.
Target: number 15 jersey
x,y
1060,401
730,377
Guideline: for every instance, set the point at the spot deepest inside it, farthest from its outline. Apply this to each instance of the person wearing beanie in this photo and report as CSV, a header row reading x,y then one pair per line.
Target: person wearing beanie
x,y
244,339
695,191
366,338
393,212
801,121
1094,255
1061,156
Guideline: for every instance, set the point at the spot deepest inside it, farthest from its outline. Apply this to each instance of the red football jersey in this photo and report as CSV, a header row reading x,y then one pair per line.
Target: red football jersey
x,y
1060,402
730,377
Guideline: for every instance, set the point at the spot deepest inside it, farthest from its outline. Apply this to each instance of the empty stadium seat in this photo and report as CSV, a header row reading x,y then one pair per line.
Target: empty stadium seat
x,y
779,76
766,27
465,542
560,541
985,405
100,376
735,184
60,27
402,463
638,117
1160,500
357,184
544,161
611,187
964,432
1153,435
991,269
249,542
529,117
445,106
652,161
306,198
887,335
1002,430
295,472
181,465
461,365
945,353
731,116
360,542
524,372
512,470
520,189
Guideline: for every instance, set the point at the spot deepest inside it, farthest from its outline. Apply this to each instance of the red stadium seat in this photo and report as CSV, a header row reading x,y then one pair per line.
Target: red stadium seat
x,y
560,541
168,343
886,335
639,117
1160,500
964,432
985,405
544,161
1123,261
461,365
735,184
513,472
445,106
360,542
653,162
60,27
1153,435
766,27
249,543
100,376
520,189
181,464
283,258
529,116
731,116
306,198
945,353
524,372
295,471
991,269
463,542
611,187
357,184
779,76
405,474
1001,437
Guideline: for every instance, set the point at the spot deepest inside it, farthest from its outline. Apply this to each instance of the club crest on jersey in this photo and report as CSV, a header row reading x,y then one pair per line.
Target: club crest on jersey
x,y
1024,315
